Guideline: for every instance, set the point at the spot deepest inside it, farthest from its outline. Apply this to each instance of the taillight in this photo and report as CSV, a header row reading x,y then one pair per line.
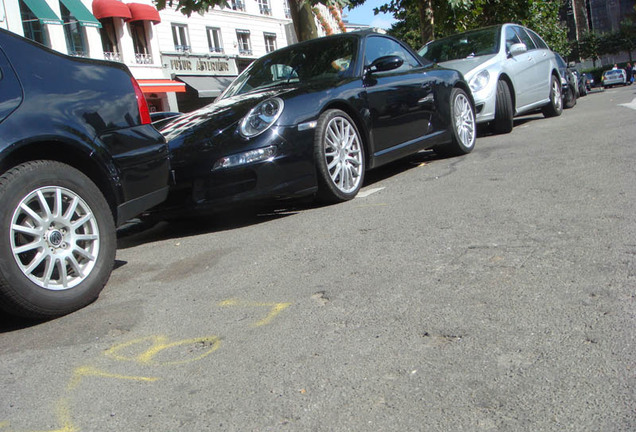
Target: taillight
x,y
144,112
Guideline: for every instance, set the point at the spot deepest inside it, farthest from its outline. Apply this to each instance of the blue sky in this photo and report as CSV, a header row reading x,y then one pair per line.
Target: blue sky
x,y
364,15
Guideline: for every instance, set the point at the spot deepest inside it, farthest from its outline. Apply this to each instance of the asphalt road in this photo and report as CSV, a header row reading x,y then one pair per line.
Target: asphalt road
x,y
492,292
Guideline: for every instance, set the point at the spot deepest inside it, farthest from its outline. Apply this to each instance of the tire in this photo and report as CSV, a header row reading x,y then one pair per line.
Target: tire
x,y
570,98
503,122
463,125
57,240
554,108
339,156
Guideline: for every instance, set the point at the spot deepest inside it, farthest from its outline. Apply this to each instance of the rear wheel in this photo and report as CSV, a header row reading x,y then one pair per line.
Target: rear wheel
x,y
57,240
570,98
503,122
554,108
339,156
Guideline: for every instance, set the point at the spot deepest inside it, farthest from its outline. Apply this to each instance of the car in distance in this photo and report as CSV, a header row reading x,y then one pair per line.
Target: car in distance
x,y
589,81
78,157
311,118
569,83
510,69
614,77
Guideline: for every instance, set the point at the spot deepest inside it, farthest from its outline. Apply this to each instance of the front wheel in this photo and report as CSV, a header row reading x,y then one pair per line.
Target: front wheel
x,y
57,240
554,108
503,122
462,123
339,157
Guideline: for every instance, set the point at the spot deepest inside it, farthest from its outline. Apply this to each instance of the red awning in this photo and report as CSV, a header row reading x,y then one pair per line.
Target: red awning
x,y
161,86
110,8
144,12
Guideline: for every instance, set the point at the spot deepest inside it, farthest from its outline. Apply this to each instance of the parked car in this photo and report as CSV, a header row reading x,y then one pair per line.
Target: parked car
x,y
510,69
78,157
311,118
614,77
569,83
589,81
581,83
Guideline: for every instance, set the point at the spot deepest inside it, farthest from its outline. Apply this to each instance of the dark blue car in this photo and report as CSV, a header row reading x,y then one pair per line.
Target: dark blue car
x,y
78,157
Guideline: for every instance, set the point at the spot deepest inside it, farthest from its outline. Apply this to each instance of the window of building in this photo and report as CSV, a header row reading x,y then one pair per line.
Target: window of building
x,y
33,28
214,39
140,42
180,37
244,44
263,5
287,10
270,42
238,5
109,40
75,34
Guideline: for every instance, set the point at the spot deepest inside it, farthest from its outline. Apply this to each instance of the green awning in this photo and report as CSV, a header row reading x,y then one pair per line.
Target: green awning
x,y
81,14
43,12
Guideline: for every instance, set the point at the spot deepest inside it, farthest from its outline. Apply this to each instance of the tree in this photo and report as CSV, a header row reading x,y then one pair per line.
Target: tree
x,y
452,16
301,11
590,46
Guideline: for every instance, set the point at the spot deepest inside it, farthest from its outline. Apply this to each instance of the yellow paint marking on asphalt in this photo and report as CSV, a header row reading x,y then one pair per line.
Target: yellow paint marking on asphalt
x,y
86,371
160,344
423,164
275,309
4,424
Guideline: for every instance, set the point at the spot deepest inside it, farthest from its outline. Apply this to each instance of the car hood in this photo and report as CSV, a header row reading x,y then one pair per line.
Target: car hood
x,y
217,117
467,65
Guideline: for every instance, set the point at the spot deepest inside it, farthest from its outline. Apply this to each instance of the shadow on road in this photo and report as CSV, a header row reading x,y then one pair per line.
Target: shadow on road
x,y
146,230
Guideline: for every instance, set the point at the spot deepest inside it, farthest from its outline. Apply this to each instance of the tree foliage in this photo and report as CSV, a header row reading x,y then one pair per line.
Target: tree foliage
x,y
453,16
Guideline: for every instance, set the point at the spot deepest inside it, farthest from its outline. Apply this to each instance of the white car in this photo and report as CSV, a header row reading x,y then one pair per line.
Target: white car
x,y
614,77
510,70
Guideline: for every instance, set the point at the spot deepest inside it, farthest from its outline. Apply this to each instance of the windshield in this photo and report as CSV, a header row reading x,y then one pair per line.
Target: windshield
x,y
465,45
327,58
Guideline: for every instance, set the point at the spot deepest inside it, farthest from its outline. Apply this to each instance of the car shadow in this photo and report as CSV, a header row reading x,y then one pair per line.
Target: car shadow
x,y
147,230
10,323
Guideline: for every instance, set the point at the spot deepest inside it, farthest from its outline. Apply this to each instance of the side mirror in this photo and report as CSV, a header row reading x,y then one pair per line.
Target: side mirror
x,y
518,48
384,64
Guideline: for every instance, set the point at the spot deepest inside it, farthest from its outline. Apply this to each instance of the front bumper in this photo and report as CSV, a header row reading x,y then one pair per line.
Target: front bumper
x,y
289,173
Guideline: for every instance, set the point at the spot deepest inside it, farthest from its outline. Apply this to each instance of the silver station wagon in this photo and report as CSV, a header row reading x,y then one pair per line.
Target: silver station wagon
x,y
510,69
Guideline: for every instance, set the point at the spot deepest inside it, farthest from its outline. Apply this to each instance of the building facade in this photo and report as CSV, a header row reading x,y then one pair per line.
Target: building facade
x,y
180,62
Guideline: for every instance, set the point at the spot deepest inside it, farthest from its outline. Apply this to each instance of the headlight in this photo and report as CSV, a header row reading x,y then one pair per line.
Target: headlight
x,y
248,157
261,117
479,81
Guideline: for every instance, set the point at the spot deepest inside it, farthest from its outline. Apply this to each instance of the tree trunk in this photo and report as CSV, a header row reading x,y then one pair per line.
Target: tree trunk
x,y
303,19
427,22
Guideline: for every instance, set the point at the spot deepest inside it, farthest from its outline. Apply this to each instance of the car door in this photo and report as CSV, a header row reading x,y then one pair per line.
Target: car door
x,y
400,101
519,67
543,65
10,89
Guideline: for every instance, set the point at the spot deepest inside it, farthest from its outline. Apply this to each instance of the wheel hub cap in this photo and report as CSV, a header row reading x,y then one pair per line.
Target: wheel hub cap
x,y
55,238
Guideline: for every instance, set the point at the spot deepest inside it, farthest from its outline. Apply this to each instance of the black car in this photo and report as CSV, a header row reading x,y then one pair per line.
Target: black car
x,y
311,118
78,157
569,83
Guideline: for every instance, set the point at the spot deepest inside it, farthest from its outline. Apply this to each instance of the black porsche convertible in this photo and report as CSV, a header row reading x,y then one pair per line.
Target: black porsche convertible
x,y
311,118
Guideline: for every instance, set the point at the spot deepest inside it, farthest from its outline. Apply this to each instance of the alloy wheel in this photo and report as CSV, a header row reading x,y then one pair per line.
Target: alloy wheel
x,y
54,238
343,154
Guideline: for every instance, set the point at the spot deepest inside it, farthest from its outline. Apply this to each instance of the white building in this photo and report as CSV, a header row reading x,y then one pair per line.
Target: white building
x,y
181,62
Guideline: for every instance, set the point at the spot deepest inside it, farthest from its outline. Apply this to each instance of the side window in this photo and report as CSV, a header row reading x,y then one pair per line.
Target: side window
x,y
378,46
537,40
525,38
511,38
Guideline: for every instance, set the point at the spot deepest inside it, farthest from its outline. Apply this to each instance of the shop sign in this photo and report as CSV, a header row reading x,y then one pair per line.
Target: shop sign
x,y
198,65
